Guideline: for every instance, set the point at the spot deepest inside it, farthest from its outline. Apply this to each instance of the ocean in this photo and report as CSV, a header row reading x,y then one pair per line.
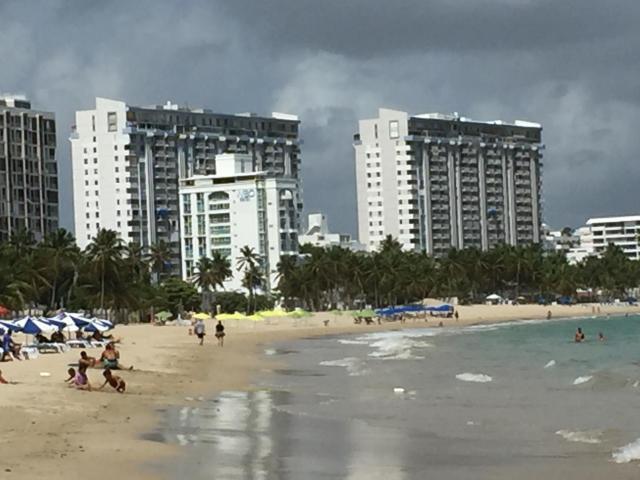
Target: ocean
x,y
518,400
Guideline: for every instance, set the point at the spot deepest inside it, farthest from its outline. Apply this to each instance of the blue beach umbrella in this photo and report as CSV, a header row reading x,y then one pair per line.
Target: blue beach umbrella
x,y
63,324
33,326
96,326
4,325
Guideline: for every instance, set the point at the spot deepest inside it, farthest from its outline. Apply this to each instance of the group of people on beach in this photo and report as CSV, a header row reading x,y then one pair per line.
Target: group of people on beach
x,y
109,361
579,337
200,331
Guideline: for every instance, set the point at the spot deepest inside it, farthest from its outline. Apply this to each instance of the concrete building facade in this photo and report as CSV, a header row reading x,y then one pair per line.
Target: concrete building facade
x,y
319,235
237,207
28,169
128,161
621,231
438,181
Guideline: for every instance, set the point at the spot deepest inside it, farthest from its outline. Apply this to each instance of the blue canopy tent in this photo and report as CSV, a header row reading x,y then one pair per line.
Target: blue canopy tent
x,y
388,311
445,307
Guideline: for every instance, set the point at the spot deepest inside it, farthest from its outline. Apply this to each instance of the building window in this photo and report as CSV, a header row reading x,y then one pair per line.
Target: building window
x,y
375,130
394,129
86,160
112,121
117,170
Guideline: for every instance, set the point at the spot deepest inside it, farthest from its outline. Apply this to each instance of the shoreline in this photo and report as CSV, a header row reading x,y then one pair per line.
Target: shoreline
x,y
56,432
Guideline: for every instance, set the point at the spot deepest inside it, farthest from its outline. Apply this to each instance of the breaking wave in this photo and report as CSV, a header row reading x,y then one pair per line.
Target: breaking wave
x,y
581,380
591,437
474,377
353,365
627,453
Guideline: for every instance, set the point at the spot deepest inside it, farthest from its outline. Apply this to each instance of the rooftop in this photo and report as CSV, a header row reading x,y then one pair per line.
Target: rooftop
x,y
628,218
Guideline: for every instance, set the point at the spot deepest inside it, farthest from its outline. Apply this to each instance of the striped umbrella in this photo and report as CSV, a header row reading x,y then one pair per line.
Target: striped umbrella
x,y
33,326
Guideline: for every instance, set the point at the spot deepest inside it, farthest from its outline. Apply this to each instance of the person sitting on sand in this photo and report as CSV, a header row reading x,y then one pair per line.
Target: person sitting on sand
x,y
220,333
80,380
110,358
579,337
72,374
10,349
88,361
113,380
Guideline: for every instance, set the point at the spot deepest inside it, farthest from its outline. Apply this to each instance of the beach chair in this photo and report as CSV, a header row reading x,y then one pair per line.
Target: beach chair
x,y
98,344
78,344
44,347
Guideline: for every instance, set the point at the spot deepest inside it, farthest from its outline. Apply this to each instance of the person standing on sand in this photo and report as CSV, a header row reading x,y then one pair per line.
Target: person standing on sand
x,y
2,379
220,333
199,330
455,314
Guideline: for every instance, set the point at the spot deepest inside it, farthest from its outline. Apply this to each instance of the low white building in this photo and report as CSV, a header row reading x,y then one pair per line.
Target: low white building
x,y
318,234
238,207
599,233
620,231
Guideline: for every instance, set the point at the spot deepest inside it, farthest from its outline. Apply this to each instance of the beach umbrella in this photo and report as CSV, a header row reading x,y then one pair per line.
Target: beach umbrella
x,y
272,313
64,324
96,326
5,325
299,313
231,316
33,326
105,322
163,315
494,296
202,316
77,319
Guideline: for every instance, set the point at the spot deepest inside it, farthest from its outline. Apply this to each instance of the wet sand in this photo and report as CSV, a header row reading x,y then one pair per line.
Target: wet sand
x,y
55,432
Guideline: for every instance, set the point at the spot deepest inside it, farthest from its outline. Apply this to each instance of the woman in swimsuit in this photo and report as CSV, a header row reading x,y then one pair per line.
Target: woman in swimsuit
x,y
111,359
116,382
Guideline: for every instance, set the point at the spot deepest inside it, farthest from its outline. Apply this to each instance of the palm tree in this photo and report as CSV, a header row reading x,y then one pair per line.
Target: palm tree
x,y
134,259
104,256
249,262
159,257
60,255
212,273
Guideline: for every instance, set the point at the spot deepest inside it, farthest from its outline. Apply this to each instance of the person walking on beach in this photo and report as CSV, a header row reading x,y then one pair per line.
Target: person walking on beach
x,y
220,333
199,330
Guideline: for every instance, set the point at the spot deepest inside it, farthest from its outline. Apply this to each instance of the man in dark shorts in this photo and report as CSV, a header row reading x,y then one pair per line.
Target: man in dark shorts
x,y
199,330
220,333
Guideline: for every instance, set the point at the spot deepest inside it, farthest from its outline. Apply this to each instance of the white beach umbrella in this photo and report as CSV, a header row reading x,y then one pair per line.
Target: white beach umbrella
x,y
494,296
34,326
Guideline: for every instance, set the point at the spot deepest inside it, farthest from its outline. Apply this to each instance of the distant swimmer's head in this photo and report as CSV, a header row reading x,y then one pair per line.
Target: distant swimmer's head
x,y
579,330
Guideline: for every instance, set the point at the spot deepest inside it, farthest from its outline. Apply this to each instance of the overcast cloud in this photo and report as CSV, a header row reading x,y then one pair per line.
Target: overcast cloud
x,y
570,65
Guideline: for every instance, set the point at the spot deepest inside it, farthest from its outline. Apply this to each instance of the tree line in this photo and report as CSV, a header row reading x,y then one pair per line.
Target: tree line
x,y
326,278
109,275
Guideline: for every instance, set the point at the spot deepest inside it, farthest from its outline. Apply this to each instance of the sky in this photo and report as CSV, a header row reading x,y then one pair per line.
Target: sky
x,y
571,65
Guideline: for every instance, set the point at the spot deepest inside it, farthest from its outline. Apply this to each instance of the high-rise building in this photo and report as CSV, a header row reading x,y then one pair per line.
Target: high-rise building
x,y
239,206
28,169
437,181
127,162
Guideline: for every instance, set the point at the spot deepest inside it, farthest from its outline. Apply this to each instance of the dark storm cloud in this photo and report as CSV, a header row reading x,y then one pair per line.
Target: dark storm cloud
x,y
571,65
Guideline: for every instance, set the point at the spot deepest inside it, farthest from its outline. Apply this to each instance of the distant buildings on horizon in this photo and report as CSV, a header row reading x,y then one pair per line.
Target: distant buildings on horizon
x,y
206,182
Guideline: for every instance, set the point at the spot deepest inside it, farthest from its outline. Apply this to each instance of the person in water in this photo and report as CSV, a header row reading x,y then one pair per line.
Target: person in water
x,y
115,381
220,333
579,337
601,337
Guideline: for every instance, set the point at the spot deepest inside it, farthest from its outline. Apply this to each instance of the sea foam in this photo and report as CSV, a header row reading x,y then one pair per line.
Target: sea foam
x,y
581,380
474,377
591,437
397,348
352,342
627,453
551,363
353,365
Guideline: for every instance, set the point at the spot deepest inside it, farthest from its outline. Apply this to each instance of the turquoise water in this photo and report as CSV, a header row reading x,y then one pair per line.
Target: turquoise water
x,y
492,402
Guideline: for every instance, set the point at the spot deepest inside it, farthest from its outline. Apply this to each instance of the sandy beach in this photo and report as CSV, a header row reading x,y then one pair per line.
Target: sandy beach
x,y
56,432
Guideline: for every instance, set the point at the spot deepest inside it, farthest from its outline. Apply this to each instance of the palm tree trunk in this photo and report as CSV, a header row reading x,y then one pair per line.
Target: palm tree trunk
x,y
102,289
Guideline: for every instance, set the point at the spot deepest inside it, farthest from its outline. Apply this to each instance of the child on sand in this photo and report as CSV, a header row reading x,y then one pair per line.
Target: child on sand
x,y
80,381
115,381
2,379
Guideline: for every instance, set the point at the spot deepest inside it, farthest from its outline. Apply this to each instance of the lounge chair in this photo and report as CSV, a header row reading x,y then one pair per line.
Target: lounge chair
x,y
79,344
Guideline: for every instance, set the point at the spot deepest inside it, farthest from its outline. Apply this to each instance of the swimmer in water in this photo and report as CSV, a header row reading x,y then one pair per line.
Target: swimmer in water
x,y
601,337
579,337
